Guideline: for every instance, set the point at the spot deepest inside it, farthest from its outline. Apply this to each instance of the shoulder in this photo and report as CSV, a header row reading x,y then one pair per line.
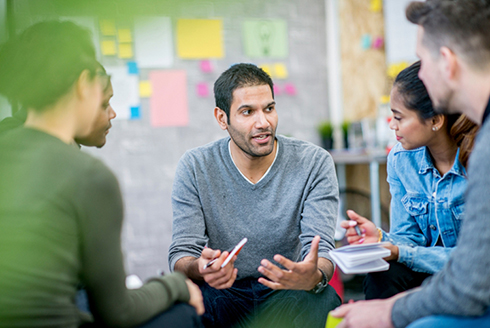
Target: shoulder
x,y
398,152
210,151
302,150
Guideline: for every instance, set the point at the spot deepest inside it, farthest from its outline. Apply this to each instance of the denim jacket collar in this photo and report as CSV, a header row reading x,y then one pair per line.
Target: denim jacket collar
x,y
426,164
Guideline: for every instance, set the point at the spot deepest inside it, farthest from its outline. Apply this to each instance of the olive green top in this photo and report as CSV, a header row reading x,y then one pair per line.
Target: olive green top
x,y
61,216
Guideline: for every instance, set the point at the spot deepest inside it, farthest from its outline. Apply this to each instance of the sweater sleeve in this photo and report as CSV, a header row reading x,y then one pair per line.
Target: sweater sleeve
x,y
463,286
100,219
320,210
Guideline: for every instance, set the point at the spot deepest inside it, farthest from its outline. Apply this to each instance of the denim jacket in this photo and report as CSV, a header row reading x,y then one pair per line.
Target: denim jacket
x,y
424,206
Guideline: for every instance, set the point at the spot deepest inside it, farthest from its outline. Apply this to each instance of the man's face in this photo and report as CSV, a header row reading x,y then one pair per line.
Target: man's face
x,y
253,120
102,122
430,74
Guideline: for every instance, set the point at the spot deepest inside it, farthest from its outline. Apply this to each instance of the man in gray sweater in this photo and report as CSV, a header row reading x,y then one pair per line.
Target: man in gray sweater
x,y
279,192
453,44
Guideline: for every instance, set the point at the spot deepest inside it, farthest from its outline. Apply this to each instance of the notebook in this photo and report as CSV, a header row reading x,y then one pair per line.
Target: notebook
x,y
362,258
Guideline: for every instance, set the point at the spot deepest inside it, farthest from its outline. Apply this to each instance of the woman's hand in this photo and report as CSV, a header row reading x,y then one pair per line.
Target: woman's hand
x,y
369,232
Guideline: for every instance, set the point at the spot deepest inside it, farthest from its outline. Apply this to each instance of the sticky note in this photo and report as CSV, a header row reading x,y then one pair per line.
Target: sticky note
x,y
108,27
267,69
366,41
135,113
153,42
169,106
108,48
206,66
146,89
202,89
376,5
132,67
200,38
280,71
277,90
125,50
265,38
378,42
396,68
124,35
290,89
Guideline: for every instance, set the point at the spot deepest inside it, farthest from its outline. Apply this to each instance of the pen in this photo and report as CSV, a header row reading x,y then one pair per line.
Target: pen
x,y
356,228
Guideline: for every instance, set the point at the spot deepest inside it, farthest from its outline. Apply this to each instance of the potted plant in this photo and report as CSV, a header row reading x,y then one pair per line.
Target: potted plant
x,y
325,129
345,133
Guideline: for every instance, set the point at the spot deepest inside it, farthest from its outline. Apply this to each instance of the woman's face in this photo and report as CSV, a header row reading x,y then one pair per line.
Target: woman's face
x,y
102,123
411,131
89,96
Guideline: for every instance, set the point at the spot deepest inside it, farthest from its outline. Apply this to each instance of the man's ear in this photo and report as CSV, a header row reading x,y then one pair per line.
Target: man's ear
x,y
221,118
450,63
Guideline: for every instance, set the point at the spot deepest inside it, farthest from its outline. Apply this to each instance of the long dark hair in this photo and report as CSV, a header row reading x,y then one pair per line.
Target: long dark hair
x,y
415,97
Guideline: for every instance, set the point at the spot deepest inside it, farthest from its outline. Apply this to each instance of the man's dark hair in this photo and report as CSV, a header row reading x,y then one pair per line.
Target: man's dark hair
x,y
41,64
238,76
461,25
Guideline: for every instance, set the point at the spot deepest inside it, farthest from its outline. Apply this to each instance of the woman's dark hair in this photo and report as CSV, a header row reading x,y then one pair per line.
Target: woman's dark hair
x,y
415,97
41,64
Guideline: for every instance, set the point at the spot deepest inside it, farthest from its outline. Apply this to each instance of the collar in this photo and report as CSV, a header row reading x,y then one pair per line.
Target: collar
x,y
426,164
486,113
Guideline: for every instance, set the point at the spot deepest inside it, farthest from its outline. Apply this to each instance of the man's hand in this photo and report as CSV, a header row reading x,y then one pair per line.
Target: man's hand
x,y
216,276
366,314
299,276
195,297
369,231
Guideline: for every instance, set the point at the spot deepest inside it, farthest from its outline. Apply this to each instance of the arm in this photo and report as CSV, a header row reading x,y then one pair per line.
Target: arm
x,y
319,212
187,252
463,286
100,218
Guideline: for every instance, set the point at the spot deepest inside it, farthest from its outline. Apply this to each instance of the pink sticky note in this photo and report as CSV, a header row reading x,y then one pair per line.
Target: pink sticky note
x,y
168,103
277,90
378,43
206,66
202,89
290,89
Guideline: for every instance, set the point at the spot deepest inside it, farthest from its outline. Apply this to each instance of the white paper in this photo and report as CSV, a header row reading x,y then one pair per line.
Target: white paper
x,y
361,258
126,91
153,43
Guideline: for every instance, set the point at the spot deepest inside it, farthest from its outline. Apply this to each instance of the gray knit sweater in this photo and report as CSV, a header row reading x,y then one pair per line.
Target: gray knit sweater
x,y
214,205
463,286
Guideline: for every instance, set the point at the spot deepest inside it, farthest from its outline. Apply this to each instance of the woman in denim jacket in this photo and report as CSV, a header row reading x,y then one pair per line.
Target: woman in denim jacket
x,y
427,178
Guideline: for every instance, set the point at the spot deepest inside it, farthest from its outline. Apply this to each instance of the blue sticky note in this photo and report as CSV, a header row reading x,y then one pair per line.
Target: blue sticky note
x,y
366,41
135,113
133,68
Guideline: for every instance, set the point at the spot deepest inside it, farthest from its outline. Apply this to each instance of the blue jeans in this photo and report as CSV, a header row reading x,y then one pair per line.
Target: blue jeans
x,y
440,321
248,303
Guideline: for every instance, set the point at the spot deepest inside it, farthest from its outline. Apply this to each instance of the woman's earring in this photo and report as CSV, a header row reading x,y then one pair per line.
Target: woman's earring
x,y
434,128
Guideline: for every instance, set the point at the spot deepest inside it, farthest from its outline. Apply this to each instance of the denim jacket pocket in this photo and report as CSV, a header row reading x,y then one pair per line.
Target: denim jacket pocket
x,y
417,206
458,215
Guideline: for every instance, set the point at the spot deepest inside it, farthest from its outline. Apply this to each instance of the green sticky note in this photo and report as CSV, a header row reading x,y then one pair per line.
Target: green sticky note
x,y
265,38
332,321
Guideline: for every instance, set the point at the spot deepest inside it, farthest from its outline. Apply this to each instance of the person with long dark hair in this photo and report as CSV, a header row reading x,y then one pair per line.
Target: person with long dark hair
x,y
427,179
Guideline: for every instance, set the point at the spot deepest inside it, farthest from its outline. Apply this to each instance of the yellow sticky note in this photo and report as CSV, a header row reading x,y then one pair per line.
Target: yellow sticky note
x,y
267,69
280,71
124,35
108,27
200,38
376,5
396,68
145,89
125,50
108,48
